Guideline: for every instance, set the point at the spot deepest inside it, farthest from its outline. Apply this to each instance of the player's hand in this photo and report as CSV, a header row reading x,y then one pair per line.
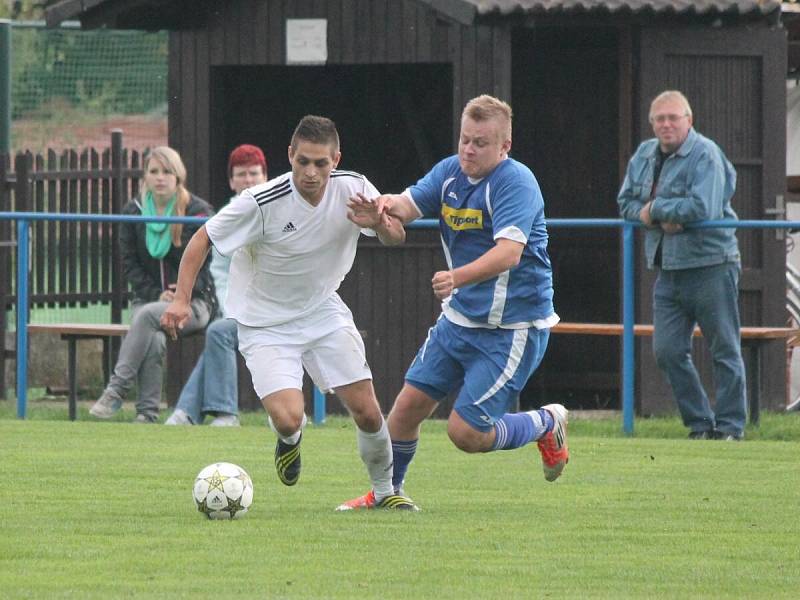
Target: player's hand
x,y
443,284
671,228
644,215
175,317
363,211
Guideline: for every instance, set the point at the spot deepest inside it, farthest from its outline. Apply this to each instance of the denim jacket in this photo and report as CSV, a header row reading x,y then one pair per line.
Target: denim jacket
x,y
696,184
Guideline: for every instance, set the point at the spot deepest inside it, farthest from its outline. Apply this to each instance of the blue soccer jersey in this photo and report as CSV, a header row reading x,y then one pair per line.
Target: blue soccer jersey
x,y
507,203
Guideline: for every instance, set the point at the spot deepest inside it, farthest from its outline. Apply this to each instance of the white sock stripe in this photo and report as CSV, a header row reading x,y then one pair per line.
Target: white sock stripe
x,y
539,427
501,431
405,447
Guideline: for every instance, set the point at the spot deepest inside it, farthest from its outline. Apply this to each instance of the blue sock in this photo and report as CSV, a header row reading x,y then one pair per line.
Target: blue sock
x,y
517,429
402,454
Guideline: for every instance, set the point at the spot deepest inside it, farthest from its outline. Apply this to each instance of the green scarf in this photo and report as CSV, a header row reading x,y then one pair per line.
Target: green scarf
x,y
158,236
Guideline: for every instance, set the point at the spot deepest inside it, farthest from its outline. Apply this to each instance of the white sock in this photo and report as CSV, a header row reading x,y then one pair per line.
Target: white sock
x,y
376,453
292,439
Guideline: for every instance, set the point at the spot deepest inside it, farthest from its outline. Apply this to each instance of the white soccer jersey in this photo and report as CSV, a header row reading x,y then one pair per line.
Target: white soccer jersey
x,y
293,255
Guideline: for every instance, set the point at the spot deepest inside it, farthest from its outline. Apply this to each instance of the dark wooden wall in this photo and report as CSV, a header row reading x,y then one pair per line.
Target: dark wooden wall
x,y
252,32
388,290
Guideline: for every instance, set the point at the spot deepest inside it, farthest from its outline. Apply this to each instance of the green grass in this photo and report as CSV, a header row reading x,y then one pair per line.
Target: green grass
x,y
97,510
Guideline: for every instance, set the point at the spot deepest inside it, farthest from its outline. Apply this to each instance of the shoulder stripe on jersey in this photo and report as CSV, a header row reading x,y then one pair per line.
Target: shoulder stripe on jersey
x,y
444,187
268,196
347,174
270,190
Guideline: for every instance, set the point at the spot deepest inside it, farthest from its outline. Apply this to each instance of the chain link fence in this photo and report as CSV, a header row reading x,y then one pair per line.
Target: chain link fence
x,y
70,87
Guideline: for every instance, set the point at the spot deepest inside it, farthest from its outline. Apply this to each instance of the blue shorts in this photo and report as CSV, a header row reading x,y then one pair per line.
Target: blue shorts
x,y
491,366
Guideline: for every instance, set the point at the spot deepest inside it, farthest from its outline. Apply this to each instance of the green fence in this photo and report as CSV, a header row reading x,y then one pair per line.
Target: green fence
x,y
70,87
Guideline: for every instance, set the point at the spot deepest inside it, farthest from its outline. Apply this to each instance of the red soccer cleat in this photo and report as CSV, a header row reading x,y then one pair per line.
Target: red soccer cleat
x,y
553,445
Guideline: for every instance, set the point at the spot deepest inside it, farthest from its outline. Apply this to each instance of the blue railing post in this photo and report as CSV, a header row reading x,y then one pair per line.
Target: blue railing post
x,y
319,406
22,318
628,371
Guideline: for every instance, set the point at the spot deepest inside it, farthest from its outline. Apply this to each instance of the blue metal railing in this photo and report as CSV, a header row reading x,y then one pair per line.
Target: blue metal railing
x,y
23,224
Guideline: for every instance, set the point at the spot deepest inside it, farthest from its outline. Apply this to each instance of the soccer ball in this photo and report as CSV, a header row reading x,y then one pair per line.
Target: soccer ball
x,y
223,491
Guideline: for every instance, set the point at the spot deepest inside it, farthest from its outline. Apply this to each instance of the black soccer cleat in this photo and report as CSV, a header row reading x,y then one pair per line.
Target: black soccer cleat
x,y
287,461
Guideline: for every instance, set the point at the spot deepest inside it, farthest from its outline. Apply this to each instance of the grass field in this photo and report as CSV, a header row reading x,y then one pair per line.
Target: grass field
x,y
99,510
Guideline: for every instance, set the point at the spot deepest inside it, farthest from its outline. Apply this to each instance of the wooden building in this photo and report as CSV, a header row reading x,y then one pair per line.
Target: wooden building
x,y
394,75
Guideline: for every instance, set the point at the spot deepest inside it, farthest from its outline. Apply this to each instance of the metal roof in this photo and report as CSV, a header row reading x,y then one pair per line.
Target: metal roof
x,y
504,7
463,11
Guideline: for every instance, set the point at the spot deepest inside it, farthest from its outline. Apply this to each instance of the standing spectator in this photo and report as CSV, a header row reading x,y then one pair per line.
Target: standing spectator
x,y
673,179
212,388
151,254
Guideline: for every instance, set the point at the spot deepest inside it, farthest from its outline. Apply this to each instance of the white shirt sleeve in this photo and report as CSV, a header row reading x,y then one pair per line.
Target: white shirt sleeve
x,y
238,224
370,191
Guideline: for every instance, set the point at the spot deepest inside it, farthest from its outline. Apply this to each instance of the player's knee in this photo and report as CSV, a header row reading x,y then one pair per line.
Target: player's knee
x,y
287,424
465,438
368,417
285,420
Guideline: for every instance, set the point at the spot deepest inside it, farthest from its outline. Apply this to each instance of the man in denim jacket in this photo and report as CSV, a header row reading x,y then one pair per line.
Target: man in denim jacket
x,y
681,177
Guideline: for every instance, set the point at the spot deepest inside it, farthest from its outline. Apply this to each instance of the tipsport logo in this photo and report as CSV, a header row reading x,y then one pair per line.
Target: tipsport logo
x,y
459,219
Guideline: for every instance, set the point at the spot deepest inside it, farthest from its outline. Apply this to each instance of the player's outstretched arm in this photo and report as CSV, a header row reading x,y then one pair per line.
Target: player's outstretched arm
x,y
390,231
398,206
367,213
178,312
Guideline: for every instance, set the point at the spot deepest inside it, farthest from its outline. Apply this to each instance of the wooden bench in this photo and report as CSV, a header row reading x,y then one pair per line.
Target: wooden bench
x,y
180,360
753,338
72,332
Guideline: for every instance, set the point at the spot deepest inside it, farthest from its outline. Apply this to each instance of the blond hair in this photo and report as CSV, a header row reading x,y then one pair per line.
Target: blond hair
x,y
171,161
485,107
670,95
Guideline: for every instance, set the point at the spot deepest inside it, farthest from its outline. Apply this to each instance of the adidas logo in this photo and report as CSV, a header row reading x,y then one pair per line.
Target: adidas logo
x,y
289,227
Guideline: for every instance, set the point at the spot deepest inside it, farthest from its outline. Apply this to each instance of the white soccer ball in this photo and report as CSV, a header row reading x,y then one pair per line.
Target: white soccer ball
x,y
223,491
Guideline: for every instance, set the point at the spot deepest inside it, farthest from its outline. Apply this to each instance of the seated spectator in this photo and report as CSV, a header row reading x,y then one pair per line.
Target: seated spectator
x,y
212,387
151,254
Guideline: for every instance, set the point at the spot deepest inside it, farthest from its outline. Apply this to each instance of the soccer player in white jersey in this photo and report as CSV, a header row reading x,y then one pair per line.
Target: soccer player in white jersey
x,y
497,301
293,240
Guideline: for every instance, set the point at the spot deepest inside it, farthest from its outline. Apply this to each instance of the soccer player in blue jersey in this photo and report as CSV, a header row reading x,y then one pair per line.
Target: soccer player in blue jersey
x,y
497,300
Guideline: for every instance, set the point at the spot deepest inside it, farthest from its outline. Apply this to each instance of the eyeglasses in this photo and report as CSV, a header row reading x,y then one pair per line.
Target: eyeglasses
x,y
661,119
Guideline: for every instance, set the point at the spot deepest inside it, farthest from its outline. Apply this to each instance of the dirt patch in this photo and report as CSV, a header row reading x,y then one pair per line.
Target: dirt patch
x,y
138,132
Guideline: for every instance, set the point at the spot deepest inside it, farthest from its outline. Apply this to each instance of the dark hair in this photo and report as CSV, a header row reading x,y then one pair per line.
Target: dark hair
x,y
246,156
317,130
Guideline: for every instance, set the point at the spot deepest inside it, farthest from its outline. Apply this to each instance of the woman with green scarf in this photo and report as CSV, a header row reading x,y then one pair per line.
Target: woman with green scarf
x,y
151,254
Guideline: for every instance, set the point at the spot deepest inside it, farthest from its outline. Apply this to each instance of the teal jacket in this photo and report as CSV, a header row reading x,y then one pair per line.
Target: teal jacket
x,y
696,184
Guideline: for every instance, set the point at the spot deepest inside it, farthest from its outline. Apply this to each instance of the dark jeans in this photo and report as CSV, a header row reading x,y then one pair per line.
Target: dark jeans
x,y
708,297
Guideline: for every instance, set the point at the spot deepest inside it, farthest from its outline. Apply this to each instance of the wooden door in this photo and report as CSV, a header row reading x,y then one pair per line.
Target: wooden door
x,y
734,79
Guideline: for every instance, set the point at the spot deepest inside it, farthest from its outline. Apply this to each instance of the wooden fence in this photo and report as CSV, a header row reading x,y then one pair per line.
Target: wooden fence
x,y
72,263
78,263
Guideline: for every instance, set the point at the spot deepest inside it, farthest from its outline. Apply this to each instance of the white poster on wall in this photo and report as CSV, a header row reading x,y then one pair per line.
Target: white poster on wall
x,y
306,41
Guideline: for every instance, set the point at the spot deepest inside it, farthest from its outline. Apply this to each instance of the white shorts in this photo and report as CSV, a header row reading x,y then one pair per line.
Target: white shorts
x,y
326,343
